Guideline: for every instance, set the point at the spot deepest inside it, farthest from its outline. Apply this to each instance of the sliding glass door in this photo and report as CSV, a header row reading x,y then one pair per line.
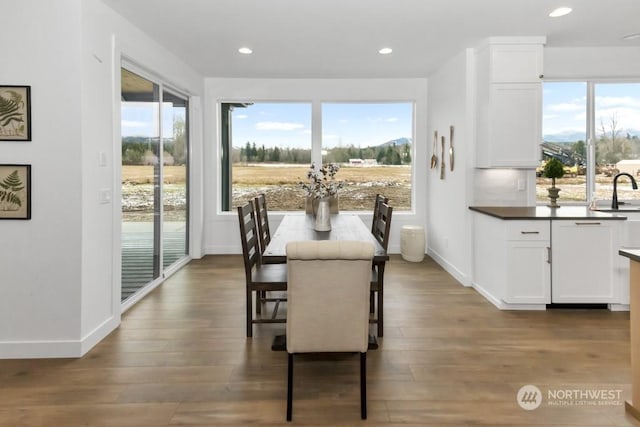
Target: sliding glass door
x,y
154,181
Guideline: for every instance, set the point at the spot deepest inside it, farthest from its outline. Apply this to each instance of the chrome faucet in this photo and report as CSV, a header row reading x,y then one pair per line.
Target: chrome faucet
x,y
614,199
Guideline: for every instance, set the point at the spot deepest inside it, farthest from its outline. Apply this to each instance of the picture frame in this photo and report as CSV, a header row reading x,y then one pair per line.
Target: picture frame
x,y
15,191
15,113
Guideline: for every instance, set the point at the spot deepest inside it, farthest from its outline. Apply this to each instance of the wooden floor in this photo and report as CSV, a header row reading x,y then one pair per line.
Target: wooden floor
x,y
448,357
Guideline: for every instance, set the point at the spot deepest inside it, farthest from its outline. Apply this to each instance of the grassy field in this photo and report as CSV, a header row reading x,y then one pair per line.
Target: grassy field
x,y
281,186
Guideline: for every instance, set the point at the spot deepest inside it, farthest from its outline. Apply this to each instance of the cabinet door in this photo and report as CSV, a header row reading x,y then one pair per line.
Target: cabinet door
x,y
514,63
515,125
528,272
582,268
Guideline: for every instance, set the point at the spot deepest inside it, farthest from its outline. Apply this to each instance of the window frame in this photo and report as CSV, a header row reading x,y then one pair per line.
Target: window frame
x,y
224,200
590,131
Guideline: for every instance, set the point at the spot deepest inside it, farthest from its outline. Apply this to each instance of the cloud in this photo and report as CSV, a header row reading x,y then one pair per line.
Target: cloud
x,y
617,101
134,124
285,126
241,116
392,119
566,107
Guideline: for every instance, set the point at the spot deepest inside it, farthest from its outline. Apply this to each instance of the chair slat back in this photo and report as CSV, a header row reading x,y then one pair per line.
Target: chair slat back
x,y
337,273
376,209
249,238
262,219
382,225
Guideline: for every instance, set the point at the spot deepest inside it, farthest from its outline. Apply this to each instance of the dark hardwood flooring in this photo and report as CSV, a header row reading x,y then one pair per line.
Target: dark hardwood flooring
x,y
448,358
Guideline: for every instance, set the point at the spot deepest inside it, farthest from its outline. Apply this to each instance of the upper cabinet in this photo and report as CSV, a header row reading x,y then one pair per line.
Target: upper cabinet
x,y
509,102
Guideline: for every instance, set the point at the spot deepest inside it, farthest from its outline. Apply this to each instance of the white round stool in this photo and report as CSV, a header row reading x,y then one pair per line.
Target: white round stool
x,y
412,242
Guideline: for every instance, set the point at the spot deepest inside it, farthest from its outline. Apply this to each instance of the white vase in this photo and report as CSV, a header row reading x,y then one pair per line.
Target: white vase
x,y
323,215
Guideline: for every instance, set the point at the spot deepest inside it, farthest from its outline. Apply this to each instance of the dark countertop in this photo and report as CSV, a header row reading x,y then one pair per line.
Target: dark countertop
x,y
632,254
545,213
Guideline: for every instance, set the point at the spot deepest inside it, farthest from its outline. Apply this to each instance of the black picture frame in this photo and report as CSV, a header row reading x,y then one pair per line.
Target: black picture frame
x,y
15,191
15,113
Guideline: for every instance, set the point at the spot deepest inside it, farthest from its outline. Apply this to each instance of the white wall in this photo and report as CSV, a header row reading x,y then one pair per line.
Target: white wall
x,y
40,259
221,229
448,221
60,282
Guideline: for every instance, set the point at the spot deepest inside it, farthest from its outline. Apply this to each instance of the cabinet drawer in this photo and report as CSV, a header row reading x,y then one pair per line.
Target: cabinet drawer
x,y
528,230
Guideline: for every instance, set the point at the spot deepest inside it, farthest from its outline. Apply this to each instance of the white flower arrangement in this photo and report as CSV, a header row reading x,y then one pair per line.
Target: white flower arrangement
x,y
322,182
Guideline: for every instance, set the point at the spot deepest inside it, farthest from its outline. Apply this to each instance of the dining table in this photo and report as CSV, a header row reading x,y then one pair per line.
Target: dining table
x,y
344,226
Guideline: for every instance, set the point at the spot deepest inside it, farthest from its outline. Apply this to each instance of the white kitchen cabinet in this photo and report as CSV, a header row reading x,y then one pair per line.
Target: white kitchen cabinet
x,y
509,102
528,272
511,263
584,259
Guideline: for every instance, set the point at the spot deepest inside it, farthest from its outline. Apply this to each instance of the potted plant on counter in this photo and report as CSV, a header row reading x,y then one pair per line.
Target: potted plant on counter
x,y
553,169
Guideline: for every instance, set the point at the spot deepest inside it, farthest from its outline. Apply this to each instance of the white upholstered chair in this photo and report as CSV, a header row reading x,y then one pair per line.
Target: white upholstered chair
x,y
328,288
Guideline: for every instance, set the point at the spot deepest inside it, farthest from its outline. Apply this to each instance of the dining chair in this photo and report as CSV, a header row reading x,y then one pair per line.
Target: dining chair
x,y
258,277
336,272
376,209
381,231
264,233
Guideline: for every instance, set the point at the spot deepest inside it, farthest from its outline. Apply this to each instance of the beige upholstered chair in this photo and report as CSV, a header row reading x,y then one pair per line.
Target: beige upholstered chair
x,y
337,273
258,277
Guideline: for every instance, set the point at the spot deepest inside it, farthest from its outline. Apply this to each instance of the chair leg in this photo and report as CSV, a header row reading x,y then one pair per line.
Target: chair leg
x,y
258,302
289,387
372,302
363,386
249,314
380,299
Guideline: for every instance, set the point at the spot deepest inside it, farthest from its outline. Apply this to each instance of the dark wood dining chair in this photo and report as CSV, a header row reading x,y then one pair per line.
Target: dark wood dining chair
x,y
381,232
376,209
264,233
258,277
336,272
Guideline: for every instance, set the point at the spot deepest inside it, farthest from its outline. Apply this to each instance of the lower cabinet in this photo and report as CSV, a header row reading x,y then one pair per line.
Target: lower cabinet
x,y
526,264
584,261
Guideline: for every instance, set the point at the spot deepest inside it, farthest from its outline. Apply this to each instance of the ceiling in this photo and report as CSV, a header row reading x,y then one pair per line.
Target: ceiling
x,y
341,38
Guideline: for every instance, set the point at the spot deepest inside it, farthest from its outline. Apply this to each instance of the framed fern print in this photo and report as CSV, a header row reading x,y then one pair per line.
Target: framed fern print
x,y
15,113
15,191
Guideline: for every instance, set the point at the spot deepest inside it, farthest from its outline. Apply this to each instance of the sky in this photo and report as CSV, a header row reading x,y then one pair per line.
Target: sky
x,y
343,124
565,110
141,118
288,124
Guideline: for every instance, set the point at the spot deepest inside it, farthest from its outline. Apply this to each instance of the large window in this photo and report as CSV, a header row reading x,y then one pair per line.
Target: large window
x,y
593,129
268,147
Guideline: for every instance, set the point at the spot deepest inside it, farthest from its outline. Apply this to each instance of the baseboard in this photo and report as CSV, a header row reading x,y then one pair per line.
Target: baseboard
x,y
506,306
449,268
98,334
619,307
57,349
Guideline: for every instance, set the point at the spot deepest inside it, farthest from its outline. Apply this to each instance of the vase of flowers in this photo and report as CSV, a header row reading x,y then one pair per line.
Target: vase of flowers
x,y
321,187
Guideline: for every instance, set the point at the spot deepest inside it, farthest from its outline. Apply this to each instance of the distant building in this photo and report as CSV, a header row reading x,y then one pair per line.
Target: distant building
x,y
629,166
356,162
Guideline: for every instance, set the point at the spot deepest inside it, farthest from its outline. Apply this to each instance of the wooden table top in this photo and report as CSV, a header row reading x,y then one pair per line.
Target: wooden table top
x,y
297,227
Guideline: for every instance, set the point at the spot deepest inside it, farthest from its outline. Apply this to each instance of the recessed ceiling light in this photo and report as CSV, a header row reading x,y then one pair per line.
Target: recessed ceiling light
x,y
632,36
385,51
245,51
561,11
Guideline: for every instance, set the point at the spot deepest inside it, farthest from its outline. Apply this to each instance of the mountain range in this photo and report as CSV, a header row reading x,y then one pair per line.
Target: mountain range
x,y
571,136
